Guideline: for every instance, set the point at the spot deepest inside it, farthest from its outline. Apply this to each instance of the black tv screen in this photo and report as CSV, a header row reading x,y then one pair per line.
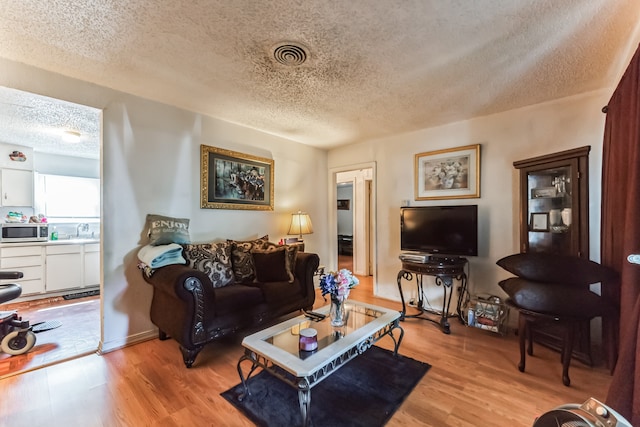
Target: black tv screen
x,y
441,230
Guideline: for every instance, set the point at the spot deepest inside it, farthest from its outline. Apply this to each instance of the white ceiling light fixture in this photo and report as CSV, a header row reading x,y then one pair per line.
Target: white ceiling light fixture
x,y
71,136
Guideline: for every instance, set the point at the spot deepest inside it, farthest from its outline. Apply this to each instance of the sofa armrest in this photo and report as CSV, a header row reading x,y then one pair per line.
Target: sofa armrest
x,y
182,298
172,280
306,265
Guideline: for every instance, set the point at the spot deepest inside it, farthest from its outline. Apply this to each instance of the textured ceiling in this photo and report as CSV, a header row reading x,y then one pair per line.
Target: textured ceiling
x,y
41,123
374,67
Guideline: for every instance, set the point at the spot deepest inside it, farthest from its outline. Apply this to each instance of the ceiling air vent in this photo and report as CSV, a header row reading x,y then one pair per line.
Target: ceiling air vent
x,y
290,54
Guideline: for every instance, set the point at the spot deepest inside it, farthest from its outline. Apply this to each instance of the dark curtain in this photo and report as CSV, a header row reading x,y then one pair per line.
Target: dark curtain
x,y
620,235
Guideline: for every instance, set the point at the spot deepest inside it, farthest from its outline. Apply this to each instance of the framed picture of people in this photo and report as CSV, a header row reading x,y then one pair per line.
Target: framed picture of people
x,y
233,180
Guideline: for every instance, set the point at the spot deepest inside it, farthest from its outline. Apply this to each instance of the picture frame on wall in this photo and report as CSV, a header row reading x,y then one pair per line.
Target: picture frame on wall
x,y
452,173
233,180
344,204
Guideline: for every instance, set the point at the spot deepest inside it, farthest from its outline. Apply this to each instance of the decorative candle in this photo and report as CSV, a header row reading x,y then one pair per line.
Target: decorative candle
x,y
308,339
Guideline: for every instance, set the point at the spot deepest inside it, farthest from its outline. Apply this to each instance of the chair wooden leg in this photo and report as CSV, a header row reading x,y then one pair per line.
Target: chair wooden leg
x,y
567,350
529,338
523,331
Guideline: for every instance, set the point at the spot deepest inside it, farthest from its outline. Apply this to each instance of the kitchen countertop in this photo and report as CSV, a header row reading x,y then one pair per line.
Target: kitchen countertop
x,y
51,242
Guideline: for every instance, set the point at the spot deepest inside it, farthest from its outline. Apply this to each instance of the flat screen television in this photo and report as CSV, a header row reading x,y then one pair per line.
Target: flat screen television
x,y
440,230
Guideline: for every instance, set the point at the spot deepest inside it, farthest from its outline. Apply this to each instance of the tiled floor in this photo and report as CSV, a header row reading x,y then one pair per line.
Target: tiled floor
x,y
78,334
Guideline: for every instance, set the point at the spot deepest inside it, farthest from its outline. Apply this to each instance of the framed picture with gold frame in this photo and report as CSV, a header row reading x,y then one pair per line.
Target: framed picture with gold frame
x,y
233,180
453,173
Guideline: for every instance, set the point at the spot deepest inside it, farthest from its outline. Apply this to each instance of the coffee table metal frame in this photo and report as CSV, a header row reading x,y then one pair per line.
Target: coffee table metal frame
x,y
304,374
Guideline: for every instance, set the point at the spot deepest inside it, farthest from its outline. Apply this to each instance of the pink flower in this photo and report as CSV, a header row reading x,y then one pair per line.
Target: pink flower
x,y
338,284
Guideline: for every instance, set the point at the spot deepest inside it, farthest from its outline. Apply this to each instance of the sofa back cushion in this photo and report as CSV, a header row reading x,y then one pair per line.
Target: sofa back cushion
x,y
213,259
242,261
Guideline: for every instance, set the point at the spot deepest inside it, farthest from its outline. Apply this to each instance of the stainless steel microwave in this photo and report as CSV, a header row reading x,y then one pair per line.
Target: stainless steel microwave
x,y
24,232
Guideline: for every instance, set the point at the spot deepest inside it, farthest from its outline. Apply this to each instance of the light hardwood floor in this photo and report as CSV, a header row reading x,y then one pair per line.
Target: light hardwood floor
x,y
474,381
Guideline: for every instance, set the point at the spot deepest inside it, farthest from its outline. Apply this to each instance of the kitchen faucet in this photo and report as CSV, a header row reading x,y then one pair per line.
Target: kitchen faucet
x,y
83,226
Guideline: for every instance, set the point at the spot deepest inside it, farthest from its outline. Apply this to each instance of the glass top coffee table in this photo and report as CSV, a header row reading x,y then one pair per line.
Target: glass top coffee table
x,y
276,349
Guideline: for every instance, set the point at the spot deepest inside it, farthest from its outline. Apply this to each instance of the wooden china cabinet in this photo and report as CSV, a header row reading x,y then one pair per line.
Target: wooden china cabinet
x,y
554,218
554,203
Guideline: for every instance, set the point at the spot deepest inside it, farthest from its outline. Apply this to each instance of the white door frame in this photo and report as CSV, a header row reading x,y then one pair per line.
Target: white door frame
x,y
333,217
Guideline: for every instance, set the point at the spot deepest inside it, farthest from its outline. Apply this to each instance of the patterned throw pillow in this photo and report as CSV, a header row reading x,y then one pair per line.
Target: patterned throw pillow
x,y
163,230
243,267
213,259
290,259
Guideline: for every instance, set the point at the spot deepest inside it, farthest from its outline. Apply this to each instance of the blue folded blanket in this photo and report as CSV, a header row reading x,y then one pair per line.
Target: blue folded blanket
x,y
161,255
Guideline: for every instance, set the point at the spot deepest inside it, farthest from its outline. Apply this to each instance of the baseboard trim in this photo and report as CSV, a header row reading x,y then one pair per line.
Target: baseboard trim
x,y
113,345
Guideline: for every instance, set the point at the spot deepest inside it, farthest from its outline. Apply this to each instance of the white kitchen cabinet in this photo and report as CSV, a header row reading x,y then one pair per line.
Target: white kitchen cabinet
x,y
28,260
64,267
17,187
51,268
91,264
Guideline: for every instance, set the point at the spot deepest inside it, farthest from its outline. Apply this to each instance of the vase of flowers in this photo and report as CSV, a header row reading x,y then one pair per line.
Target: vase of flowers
x,y
338,284
336,312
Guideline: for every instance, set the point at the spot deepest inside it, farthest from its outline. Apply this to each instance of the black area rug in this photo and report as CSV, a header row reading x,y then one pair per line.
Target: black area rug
x,y
364,392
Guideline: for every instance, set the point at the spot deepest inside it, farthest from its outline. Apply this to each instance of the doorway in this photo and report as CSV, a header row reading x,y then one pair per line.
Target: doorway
x,y
353,219
345,218
63,140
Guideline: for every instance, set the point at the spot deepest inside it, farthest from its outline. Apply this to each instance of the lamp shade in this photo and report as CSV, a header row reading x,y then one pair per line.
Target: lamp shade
x,y
300,224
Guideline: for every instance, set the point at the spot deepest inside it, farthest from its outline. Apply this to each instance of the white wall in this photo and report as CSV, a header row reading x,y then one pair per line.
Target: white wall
x,y
504,138
151,164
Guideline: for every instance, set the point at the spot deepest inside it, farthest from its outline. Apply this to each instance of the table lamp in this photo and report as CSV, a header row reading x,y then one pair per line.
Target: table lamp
x,y
300,224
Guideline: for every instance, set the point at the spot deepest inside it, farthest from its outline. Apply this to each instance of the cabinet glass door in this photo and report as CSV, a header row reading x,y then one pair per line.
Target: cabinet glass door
x,y
549,194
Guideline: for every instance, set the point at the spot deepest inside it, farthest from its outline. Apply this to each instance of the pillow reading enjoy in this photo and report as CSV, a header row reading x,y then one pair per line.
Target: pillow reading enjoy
x,y
163,230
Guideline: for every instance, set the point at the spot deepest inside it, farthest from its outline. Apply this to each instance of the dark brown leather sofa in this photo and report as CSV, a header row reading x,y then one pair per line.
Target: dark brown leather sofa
x,y
189,309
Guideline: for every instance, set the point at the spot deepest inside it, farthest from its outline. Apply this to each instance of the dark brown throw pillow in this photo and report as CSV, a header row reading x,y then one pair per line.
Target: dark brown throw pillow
x,y
270,265
243,268
290,261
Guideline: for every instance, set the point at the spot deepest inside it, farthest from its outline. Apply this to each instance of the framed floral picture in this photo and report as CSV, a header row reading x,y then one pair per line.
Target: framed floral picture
x,y
232,180
452,173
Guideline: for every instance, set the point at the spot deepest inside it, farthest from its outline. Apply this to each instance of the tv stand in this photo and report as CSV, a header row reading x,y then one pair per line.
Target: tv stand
x,y
445,269
448,260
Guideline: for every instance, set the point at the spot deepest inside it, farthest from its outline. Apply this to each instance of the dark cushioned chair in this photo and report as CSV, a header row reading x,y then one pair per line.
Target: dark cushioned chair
x,y
555,289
